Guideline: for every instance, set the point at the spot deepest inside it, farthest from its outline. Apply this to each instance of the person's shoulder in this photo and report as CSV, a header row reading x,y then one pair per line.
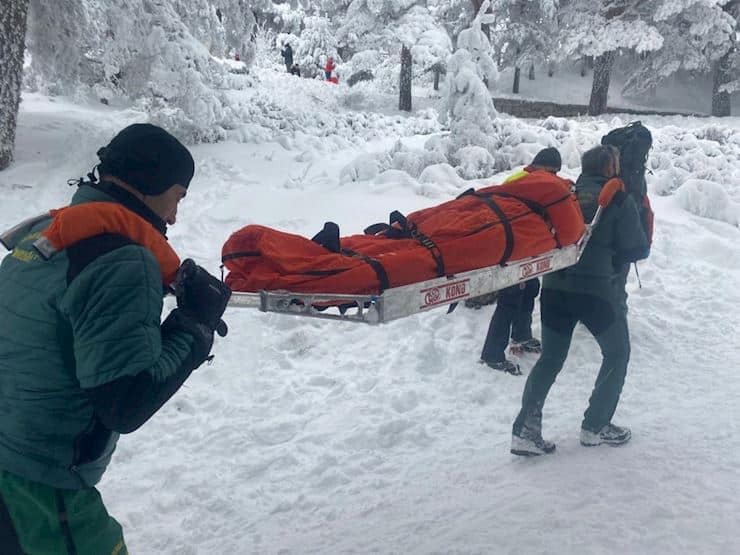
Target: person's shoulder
x,y
107,249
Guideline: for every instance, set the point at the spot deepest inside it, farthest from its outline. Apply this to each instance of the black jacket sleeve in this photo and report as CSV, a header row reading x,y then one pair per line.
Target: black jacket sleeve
x,y
123,405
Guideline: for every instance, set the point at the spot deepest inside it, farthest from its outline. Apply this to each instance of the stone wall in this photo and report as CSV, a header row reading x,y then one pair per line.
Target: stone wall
x,y
540,110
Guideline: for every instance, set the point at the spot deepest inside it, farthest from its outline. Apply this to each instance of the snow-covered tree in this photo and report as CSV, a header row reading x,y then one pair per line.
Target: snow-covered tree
x,y
696,35
468,109
385,26
524,32
726,72
601,29
315,44
157,53
431,52
476,43
12,36
453,15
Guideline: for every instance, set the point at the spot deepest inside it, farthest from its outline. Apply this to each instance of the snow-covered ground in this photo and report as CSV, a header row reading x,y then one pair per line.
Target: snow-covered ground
x,y
321,437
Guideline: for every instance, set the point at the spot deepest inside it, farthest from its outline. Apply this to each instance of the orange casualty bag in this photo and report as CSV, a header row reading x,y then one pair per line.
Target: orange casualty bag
x,y
480,228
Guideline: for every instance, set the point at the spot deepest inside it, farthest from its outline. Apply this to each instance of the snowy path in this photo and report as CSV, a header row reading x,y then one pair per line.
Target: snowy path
x,y
316,437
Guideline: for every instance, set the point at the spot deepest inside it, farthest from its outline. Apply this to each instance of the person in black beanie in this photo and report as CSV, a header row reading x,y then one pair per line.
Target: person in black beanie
x,y
547,159
148,162
514,305
84,356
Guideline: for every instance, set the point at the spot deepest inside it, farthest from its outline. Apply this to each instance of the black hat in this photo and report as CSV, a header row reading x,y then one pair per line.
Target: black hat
x,y
548,158
148,158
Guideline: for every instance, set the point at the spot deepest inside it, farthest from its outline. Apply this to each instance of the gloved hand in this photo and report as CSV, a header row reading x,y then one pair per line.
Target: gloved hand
x,y
202,296
181,320
612,189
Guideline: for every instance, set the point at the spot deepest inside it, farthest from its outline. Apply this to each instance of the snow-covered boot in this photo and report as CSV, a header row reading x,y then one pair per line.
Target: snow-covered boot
x,y
504,366
518,348
609,434
529,443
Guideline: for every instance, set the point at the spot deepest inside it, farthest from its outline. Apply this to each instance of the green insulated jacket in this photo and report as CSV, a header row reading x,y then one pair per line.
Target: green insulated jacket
x,y
67,325
617,239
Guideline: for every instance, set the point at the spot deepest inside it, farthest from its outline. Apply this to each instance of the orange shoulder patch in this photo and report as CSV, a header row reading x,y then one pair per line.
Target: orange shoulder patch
x,y
82,221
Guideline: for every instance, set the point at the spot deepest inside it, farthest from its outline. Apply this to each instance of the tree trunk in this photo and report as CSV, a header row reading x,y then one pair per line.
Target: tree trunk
x,y
436,79
12,46
404,97
600,88
484,26
517,73
550,69
721,100
530,75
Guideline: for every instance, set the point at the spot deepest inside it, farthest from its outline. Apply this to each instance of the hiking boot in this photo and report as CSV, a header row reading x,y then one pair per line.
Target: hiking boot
x,y
504,366
609,434
518,348
482,300
529,443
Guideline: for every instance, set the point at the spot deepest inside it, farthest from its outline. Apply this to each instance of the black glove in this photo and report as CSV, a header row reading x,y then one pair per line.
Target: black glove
x,y
181,320
202,296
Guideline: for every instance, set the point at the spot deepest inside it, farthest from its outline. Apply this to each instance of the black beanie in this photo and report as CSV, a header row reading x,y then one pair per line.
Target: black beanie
x,y
148,158
549,158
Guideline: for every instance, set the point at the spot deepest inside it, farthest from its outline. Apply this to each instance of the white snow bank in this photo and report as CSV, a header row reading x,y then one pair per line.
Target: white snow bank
x,y
708,200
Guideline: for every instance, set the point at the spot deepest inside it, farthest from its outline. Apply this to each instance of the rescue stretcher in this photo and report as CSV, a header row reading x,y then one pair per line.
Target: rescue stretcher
x,y
399,300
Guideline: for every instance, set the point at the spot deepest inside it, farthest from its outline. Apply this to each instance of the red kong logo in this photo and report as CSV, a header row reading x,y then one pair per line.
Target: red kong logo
x,y
536,267
444,293
432,296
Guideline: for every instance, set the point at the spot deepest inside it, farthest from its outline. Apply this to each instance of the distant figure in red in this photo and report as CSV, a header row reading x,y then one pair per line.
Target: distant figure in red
x,y
329,67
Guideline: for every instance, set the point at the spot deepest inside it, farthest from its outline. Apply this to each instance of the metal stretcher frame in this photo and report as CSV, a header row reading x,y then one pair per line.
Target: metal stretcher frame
x,y
399,302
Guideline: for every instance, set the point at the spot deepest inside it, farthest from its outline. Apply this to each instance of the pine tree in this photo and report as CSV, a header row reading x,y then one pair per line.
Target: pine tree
x,y
404,96
12,46
524,33
162,54
601,30
698,37
723,74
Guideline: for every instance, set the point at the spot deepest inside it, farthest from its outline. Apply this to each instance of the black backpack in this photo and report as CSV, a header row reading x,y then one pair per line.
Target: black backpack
x,y
634,142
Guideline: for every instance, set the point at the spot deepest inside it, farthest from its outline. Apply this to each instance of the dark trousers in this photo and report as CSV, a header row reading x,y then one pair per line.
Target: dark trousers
x,y
8,537
512,318
607,322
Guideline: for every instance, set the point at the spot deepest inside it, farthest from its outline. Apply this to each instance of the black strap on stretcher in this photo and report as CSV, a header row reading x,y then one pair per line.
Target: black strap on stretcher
x,y
328,238
508,231
539,209
404,230
373,263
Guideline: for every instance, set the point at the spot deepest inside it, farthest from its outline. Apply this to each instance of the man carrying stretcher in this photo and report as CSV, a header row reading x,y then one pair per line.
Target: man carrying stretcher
x,y
515,304
592,293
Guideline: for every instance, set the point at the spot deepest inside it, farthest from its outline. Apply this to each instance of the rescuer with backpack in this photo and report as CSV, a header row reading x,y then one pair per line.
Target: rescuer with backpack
x,y
590,292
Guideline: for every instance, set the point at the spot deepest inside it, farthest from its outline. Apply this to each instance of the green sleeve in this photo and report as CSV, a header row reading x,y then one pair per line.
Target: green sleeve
x,y
114,307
